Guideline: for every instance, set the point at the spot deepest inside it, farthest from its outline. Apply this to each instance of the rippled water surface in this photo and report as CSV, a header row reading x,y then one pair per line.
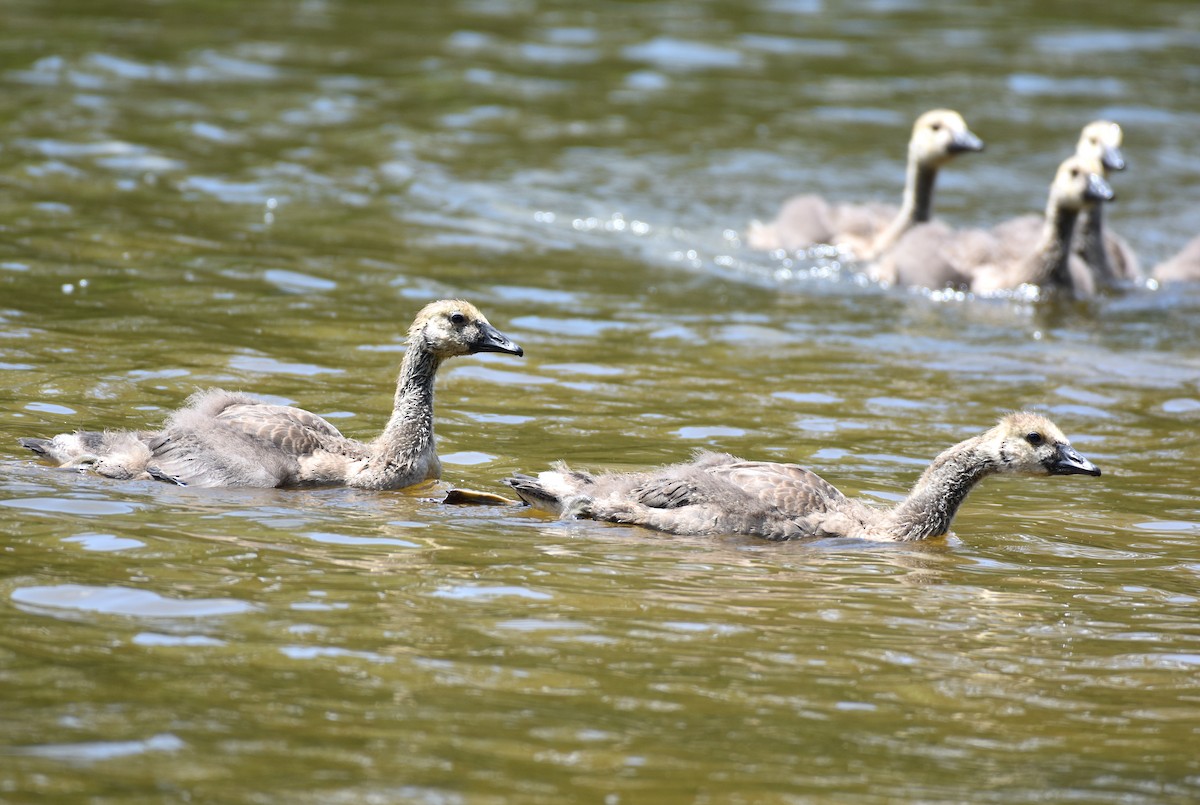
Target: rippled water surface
x,y
261,195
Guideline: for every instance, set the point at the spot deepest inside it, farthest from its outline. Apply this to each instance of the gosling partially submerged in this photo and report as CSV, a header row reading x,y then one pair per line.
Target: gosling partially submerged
x,y
1046,261
718,494
1183,267
1108,255
1010,255
1101,258
223,438
869,229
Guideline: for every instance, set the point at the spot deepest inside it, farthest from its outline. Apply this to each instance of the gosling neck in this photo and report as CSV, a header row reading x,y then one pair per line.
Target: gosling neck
x,y
915,208
934,500
918,191
1091,236
1049,261
409,432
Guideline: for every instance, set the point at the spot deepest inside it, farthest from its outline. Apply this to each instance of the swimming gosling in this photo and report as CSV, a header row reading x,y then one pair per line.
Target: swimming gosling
x,y
869,229
1105,255
1047,261
223,438
1108,255
1183,267
716,493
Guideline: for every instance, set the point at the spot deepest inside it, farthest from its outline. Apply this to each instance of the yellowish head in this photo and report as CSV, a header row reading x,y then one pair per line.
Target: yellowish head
x,y
1025,443
1101,140
1079,183
940,135
452,327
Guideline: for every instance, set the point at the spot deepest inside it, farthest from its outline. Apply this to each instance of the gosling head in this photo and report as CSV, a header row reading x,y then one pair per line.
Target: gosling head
x,y
453,327
1079,183
1029,444
1101,140
939,136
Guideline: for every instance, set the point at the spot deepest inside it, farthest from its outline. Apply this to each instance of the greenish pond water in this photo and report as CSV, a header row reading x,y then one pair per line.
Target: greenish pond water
x,y
260,196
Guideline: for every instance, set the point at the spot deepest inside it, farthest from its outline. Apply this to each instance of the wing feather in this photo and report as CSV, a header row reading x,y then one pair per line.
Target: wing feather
x,y
293,430
788,489
668,493
785,490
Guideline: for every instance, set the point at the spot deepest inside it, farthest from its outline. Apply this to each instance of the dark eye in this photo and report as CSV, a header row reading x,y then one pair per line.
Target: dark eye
x,y
936,126
1074,172
1034,438
458,319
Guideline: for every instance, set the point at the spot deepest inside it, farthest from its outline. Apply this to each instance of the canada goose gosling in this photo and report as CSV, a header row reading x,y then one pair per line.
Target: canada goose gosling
x,y
1183,267
720,494
1077,185
867,229
938,136
222,438
1107,255
441,330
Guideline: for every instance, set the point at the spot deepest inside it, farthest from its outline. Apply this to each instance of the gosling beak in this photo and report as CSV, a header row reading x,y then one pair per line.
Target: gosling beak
x,y
1098,189
1112,159
492,340
1068,462
965,141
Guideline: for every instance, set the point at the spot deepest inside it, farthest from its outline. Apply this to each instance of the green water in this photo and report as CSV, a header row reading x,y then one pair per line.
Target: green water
x,y
260,196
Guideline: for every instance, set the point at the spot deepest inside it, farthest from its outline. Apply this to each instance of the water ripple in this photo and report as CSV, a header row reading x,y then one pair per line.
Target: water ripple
x,y
115,600
95,751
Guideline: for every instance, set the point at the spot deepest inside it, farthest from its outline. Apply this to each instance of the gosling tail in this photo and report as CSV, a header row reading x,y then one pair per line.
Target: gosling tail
x,y
39,446
530,490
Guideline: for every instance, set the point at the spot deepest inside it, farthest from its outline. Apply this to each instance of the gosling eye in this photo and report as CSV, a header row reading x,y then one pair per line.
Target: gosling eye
x,y
936,126
458,319
1074,173
1034,438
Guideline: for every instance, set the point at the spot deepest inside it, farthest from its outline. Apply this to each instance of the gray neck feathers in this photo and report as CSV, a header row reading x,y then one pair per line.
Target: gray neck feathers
x,y
916,208
409,432
1049,261
920,180
1091,234
941,489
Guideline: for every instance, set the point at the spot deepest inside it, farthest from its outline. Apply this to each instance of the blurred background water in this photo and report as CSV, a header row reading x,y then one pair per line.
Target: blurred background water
x,y
261,195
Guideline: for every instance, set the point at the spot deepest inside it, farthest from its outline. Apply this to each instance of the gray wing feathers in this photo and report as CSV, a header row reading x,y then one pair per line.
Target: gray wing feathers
x,y
809,220
714,494
221,438
291,429
218,438
785,489
668,493
863,221
219,456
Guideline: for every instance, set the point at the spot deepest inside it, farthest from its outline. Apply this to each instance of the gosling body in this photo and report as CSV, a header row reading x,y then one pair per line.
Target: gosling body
x,y
1183,267
717,494
1100,258
223,438
1007,256
1107,255
1078,186
868,229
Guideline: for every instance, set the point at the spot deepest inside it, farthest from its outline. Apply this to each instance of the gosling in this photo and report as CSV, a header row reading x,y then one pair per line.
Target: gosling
x,y
1048,262
1108,255
1183,267
223,438
869,229
716,493
1101,258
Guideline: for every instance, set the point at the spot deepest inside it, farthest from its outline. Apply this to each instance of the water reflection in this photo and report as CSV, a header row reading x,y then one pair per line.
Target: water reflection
x,y
120,601
203,199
